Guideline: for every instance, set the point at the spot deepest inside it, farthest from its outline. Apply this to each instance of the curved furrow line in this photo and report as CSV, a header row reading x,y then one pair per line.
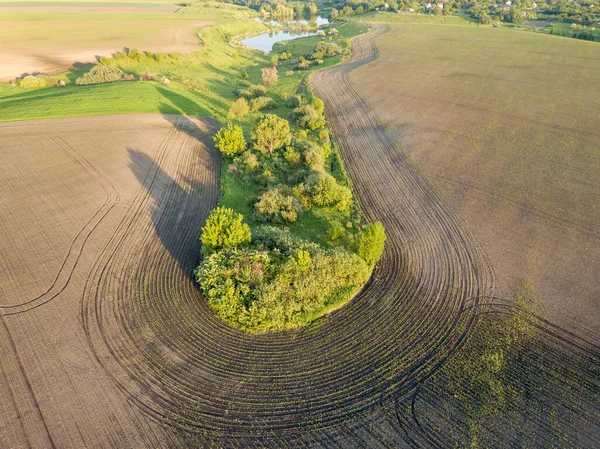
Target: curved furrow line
x,y
65,272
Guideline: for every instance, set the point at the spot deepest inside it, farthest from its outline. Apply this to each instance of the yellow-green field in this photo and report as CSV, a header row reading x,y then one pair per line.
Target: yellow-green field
x,y
505,126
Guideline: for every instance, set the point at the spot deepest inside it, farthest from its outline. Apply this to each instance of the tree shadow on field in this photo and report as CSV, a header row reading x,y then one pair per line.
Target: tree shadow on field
x,y
179,204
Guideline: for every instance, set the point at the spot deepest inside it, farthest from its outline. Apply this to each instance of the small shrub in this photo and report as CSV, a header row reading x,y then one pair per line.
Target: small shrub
x,y
244,75
269,76
230,140
301,134
239,108
319,106
289,73
295,101
224,229
36,82
372,242
253,91
147,76
105,60
275,206
100,74
260,103
309,118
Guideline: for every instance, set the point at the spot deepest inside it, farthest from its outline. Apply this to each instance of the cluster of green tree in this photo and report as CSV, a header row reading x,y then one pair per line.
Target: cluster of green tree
x,y
323,50
584,12
278,9
270,280
518,11
260,277
345,8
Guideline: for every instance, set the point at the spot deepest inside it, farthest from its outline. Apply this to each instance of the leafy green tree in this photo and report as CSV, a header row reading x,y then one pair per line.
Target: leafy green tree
x,y
230,140
271,133
311,9
224,229
372,242
239,108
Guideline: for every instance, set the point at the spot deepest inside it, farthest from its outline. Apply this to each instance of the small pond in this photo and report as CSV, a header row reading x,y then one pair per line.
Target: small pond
x,y
265,42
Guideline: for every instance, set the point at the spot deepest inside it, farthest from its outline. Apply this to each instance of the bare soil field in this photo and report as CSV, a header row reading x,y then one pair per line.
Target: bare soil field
x,y
505,127
53,46
511,378
71,189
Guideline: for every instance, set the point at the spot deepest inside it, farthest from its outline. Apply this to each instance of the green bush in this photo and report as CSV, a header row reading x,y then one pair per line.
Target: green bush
x,y
239,108
230,140
277,207
309,118
279,282
293,102
100,74
253,91
224,229
323,190
260,103
37,81
372,242
134,53
326,50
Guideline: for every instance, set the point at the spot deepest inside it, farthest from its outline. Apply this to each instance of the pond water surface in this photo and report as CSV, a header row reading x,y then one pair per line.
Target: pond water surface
x,y
265,42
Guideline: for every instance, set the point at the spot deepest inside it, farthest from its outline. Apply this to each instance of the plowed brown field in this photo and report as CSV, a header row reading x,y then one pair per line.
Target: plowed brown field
x,y
72,191
505,127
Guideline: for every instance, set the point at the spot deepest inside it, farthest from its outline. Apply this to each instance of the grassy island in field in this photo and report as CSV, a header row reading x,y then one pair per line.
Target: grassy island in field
x,y
305,248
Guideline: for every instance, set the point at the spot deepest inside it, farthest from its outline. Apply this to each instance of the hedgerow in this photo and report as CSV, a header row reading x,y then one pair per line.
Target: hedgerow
x,y
100,74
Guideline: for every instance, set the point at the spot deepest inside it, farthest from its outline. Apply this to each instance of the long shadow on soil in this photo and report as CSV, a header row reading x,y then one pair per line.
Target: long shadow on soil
x,y
179,204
